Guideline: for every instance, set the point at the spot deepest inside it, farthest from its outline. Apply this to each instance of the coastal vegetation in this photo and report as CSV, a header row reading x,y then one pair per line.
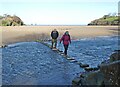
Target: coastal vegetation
x,y
8,20
110,19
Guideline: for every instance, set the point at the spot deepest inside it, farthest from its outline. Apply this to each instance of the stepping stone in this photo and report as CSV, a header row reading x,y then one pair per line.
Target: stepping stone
x,y
117,50
96,68
84,65
62,54
60,51
79,63
70,58
89,69
54,49
73,61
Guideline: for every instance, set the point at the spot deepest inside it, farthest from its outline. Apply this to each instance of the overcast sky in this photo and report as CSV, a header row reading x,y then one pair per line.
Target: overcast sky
x,y
55,12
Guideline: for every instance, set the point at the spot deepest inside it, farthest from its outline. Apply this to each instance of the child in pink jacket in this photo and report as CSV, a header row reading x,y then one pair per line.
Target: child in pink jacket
x,y
66,40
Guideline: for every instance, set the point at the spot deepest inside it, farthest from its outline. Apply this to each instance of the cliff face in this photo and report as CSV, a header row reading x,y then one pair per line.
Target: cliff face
x,y
8,20
108,74
106,20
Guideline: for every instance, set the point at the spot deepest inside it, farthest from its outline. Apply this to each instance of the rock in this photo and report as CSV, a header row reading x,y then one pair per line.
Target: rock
x,y
115,56
93,78
91,69
84,65
73,61
60,51
96,68
3,46
111,72
76,81
62,54
82,76
117,50
88,68
107,73
70,58
79,63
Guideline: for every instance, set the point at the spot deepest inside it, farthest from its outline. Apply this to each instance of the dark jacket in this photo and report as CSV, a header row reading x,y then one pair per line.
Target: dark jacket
x,y
66,39
54,34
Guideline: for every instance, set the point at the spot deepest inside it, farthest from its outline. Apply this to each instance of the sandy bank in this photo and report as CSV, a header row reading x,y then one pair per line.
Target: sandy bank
x,y
12,34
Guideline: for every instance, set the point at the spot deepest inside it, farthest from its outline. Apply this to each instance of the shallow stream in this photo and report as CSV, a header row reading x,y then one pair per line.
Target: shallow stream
x,y
32,63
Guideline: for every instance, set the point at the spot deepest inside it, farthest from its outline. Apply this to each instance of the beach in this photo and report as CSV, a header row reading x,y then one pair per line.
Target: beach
x,y
14,34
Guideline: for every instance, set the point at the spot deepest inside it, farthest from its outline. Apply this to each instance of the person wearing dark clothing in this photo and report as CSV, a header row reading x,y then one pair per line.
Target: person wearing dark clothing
x,y
66,40
54,35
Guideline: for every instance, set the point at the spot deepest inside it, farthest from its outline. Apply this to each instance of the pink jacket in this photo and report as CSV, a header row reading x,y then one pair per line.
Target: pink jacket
x,y
66,39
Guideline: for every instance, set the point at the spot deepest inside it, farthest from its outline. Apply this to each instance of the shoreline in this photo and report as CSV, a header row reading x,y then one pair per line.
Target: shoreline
x,y
15,34
17,42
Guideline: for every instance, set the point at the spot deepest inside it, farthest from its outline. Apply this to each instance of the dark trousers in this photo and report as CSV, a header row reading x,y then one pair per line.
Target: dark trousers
x,y
65,49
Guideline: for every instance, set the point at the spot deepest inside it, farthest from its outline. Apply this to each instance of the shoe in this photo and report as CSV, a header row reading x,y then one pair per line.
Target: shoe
x,y
54,49
51,47
65,55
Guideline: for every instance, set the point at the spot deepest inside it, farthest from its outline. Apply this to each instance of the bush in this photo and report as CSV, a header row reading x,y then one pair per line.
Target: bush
x,y
5,23
14,24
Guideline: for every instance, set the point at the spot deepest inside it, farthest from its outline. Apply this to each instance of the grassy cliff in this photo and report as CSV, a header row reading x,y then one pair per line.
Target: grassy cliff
x,y
106,20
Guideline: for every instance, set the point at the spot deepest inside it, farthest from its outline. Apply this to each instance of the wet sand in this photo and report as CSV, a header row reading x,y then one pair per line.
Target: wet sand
x,y
13,34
